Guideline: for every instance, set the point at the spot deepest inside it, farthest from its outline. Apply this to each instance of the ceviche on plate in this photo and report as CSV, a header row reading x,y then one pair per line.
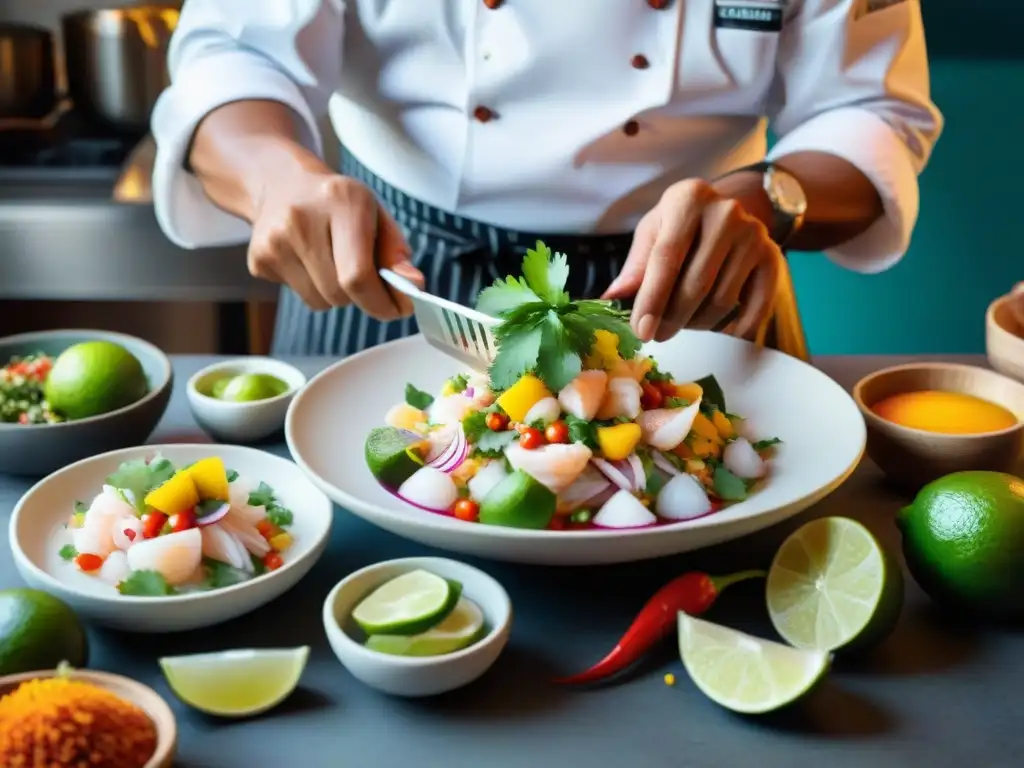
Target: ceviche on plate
x,y
155,530
571,427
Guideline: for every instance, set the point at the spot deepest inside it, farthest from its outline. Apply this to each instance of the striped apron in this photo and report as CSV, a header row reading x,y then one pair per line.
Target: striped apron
x,y
458,258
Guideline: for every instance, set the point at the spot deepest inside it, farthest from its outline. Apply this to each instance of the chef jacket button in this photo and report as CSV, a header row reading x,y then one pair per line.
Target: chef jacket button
x,y
631,128
658,4
483,114
639,62
494,4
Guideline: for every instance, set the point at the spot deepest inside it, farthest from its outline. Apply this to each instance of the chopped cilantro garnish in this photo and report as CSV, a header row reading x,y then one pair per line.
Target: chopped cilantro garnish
x,y
542,330
68,552
458,383
582,431
145,584
475,425
137,478
417,398
761,445
81,507
263,496
257,564
492,444
280,516
713,397
232,475
675,402
655,373
728,486
217,574
208,506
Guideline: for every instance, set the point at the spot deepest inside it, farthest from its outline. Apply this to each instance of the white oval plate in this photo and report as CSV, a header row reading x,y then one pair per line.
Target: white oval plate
x,y
41,513
823,437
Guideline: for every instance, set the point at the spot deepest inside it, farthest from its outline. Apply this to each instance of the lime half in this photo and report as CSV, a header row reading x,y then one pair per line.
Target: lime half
x,y
832,586
460,629
745,673
235,683
407,605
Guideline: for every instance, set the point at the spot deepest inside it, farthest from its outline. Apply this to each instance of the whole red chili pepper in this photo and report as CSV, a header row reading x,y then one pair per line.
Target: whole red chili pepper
x,y
691,593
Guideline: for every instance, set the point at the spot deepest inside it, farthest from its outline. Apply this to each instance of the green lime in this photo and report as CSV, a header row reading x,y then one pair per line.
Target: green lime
x,y
832,586
518,501
392,456
93,378
38,631
218,387
408,604
249,387
459,629
745,673
235,683
963,539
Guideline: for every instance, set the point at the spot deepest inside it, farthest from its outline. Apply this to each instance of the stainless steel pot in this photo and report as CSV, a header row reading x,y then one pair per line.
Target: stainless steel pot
x,y
117,61
27,81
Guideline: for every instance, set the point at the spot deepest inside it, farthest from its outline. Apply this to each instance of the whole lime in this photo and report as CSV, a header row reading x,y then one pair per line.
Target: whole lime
x,y
963,538
248,387
38,631
93,378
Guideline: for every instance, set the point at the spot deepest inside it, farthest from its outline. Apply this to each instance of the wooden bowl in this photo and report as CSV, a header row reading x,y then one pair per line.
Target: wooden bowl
x,y
144,697
1004,337
912,458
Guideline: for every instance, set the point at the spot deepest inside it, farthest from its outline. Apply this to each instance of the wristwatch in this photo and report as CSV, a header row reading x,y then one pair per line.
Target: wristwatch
x,y
786,195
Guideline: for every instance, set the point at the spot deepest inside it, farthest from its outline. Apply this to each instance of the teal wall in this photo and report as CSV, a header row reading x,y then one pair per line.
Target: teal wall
x,y
969,244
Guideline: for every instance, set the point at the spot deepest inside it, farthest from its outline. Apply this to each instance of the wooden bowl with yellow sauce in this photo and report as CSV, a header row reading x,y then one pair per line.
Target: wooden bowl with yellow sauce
x,y
122,723
927,420
1004,337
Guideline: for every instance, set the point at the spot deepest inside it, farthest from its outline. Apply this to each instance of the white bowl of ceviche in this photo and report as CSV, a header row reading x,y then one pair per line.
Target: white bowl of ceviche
x,y
170,538
609,451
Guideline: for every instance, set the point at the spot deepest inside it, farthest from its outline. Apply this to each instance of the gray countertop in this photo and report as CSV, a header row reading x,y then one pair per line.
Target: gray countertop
x,y
934,695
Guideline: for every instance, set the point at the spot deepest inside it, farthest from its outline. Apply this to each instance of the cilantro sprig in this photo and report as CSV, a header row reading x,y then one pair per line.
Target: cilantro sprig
x,y
542,330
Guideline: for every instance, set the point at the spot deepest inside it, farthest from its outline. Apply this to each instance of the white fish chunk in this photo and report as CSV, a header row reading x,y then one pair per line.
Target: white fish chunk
x,y
175,556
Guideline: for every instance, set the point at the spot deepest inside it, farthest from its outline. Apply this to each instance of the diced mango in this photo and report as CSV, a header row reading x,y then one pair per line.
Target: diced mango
x,y
634,369
702,426
466,471
725,428
689,392
175,496
618,441
606,348
280,542
683,451
210,478
518,399
705,448
404,416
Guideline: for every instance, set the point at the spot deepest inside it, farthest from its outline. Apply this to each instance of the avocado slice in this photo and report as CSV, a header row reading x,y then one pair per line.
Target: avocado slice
x,y
393,455
518,501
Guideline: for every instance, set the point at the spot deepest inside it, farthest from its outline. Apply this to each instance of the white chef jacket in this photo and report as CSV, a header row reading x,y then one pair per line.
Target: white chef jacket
x,y
562,116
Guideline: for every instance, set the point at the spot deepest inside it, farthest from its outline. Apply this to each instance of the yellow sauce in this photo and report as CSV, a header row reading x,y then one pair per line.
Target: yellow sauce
x,y
950,413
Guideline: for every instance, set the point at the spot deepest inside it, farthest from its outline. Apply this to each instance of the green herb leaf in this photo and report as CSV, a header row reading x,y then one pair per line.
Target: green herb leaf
x,y
656,374
713,396
582,431
458,383
217,575
546,273
761,445
655,482
145,584
517,354
475,425
493,444
208,506
605,316
557,362
81,507
263,496
505,295
232,475
417,398
138,478
257,564
728,486
68,552
280,516
675,402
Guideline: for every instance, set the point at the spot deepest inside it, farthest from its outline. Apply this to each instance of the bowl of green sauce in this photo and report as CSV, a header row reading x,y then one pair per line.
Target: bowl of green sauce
x,y
245,399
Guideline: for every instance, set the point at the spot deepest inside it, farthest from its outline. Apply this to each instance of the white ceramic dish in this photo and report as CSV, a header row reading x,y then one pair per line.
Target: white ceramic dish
x,y
417,676
40,514
247,422
822,430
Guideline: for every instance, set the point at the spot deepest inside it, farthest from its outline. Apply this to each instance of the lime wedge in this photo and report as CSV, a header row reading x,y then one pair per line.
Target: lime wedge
x,y
235,683
832,586
407,605
745,673
460,629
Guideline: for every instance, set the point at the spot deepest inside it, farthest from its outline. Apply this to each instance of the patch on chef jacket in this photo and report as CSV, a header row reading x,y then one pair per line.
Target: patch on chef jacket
x,y
750,15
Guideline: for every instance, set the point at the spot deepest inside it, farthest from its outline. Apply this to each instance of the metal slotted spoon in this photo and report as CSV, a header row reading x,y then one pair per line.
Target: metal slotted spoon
x,y
460,332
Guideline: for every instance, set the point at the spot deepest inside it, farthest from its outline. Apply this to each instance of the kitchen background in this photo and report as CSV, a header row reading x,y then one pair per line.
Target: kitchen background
x,y
966,249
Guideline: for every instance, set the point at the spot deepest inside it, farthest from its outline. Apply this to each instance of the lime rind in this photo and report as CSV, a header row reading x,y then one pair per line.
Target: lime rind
x,y
463,627
747,674
238,683
408,604
833,587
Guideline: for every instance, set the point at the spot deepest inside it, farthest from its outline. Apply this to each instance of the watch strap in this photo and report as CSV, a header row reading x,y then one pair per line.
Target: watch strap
x,y
784,224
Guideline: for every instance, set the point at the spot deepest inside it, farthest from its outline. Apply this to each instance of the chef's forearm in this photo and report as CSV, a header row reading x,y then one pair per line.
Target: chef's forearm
x,y
239,148
841,201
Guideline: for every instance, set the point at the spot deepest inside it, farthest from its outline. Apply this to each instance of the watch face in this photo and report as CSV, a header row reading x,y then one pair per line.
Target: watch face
x,y
788,194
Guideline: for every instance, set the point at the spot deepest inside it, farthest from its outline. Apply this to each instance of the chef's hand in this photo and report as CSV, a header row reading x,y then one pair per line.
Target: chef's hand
x,y
325,236
695,257
1017,306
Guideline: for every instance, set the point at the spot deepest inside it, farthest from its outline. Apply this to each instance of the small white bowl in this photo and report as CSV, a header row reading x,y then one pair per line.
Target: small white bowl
x,y
38,519
417,676
247,422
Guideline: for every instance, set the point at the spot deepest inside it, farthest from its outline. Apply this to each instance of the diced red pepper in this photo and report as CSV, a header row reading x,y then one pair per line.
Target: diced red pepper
x,y
183,521
88,562
152,524
272,561
652,397
267,529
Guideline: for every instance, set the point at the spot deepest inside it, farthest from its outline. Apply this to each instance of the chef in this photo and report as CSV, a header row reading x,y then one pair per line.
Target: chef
x,y
629,134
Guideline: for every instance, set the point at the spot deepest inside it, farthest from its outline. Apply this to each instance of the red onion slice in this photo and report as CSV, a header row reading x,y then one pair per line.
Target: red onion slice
x,y
453,454
639,475
662,463
215,516
613,473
